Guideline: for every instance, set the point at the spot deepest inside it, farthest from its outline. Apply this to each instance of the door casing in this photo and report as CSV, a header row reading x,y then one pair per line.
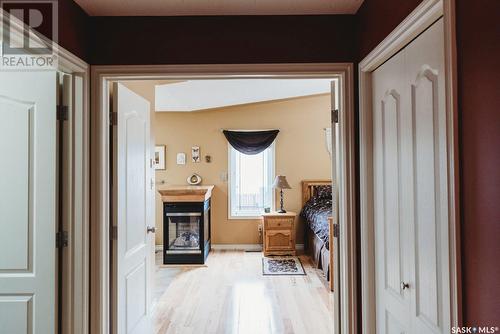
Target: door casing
x,y
103,76
418,21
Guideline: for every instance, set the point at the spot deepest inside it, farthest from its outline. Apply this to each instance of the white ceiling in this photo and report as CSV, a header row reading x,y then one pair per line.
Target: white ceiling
x,y
196,95
217,7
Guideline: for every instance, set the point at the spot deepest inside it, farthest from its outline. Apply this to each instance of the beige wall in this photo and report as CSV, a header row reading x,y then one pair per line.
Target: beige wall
x,y
300,154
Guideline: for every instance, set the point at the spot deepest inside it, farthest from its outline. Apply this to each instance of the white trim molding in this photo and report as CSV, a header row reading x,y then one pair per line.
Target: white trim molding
x,y
412,26
238,247
417,22
246,247
79,249
102,76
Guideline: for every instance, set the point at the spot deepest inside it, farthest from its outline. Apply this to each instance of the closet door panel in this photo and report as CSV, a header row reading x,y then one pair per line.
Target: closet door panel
x,y
410,188
391,233
28,201
424,63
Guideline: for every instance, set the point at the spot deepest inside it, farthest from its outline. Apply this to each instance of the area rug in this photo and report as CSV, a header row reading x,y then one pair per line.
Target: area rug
x,y
282,265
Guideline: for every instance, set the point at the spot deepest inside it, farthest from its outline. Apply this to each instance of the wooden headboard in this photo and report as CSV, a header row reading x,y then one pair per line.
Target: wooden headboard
x,y
308,188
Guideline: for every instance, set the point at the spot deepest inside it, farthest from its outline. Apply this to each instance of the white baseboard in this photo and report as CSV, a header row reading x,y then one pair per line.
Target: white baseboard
x,y
246,247
242,247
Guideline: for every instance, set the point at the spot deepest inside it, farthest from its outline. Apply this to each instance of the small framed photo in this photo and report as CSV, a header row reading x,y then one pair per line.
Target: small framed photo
x,y
181,158
160,152
195,153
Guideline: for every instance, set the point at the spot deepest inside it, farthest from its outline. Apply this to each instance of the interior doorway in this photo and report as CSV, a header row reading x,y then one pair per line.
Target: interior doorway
x,y
188,118
345,212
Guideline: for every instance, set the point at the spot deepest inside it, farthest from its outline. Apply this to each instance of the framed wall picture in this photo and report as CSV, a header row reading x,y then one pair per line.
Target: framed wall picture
x,y
195,154
159,161
181,158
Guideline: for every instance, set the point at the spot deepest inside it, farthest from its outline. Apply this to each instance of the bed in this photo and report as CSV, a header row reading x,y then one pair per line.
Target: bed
x,y
317,215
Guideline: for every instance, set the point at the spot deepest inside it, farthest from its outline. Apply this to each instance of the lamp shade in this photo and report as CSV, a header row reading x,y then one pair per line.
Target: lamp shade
x,y
280,182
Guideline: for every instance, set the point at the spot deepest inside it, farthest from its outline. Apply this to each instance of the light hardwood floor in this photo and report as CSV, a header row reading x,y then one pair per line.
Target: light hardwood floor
x,y
230,295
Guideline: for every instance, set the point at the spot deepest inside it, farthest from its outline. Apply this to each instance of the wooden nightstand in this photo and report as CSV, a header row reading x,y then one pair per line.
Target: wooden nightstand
x,y
279,233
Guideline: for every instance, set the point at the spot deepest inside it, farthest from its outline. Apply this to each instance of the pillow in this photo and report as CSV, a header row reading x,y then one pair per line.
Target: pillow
x,y
323,191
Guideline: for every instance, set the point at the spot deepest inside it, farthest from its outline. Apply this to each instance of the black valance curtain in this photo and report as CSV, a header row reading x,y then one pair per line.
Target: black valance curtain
x,y
250,142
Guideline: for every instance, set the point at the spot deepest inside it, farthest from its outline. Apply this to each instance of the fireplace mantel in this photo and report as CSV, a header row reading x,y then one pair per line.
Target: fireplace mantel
x,y
186,193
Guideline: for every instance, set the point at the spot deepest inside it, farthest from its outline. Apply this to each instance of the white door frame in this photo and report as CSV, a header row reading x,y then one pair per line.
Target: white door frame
x,y
76,279
100,177
418,21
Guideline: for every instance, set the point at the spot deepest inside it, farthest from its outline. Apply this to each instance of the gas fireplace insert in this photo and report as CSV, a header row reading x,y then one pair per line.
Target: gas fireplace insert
x,y
186,232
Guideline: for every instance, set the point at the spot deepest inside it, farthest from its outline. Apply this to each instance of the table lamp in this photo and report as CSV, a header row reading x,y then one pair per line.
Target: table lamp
x,y
281,183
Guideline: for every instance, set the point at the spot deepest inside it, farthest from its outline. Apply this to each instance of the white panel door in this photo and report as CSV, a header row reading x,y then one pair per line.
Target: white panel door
x,y
425,80
410,187
27,202
132,194
391,145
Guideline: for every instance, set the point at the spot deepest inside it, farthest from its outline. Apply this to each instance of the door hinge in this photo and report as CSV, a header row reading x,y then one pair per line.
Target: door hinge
x,y
114,232
62,113
335,116
61,239
113,118
336,230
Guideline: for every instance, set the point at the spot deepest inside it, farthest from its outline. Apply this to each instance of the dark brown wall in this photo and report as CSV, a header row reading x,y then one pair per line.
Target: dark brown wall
x,y
74,29
223,39
478,39
376,19
478,36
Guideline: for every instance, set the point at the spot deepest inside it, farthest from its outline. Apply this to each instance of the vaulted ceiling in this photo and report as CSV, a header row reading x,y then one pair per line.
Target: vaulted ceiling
x,y
194,95
217,7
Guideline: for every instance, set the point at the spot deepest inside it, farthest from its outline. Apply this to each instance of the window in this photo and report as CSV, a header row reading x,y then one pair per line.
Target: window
x,y
250,183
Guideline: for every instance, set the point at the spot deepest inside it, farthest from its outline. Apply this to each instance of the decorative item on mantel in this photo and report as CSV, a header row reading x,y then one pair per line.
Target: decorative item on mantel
x,y
194,179
281,183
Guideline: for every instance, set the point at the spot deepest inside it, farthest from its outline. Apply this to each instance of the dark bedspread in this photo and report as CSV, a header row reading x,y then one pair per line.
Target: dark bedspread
x,y
316,212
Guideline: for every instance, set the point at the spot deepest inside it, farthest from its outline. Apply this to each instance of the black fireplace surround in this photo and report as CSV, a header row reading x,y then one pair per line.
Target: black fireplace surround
x,y
186,232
